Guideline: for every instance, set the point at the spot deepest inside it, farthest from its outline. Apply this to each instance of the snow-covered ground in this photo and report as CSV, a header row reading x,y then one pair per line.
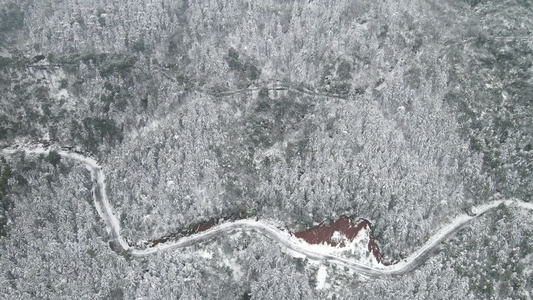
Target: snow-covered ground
x,y
321,277
358,261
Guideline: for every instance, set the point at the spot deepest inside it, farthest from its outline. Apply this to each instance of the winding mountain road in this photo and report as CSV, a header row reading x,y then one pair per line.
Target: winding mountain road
x,y
287,241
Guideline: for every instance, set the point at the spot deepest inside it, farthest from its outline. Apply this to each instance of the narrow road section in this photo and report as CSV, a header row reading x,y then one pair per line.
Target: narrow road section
x,y
290,243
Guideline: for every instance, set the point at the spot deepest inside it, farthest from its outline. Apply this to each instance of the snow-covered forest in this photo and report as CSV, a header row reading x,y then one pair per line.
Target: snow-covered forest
x,y
405,113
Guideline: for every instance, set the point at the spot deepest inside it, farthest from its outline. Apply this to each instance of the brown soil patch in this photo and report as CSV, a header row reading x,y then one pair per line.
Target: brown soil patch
x,y
199,227
195,228
317,235
324,234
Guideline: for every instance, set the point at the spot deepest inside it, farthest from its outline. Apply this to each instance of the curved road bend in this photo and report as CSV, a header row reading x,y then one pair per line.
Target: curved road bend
x,y
287,241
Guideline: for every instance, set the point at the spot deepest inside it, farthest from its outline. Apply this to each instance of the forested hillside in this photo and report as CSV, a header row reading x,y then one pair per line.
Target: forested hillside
x,y
403,113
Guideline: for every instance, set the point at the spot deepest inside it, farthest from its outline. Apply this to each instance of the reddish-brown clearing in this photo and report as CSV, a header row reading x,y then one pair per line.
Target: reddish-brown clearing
x,y
317,235
324,234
